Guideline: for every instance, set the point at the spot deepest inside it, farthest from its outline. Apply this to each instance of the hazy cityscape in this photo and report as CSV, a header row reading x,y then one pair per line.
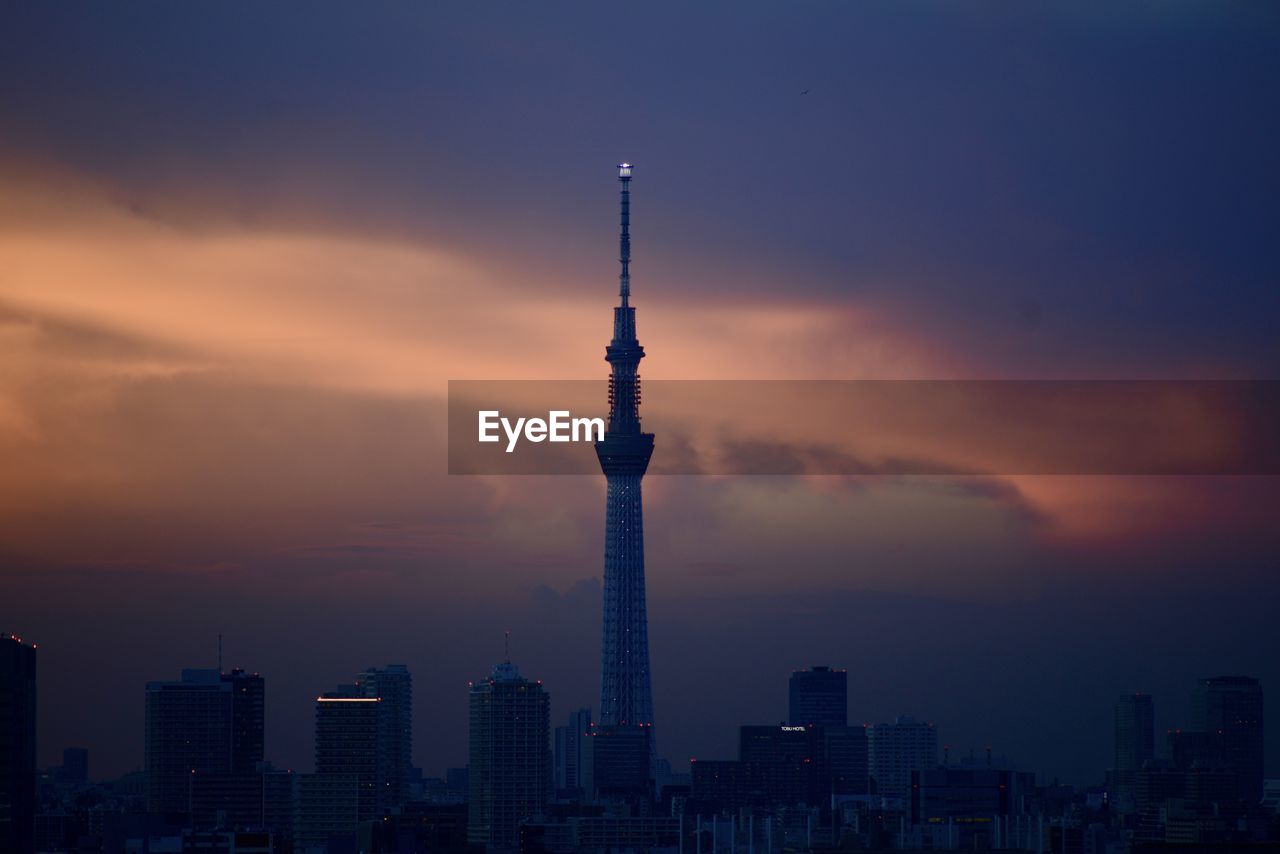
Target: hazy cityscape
x,y
813,782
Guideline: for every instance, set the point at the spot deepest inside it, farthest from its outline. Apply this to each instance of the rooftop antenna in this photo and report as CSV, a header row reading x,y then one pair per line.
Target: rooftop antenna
x,y
624,238
219,652
506,645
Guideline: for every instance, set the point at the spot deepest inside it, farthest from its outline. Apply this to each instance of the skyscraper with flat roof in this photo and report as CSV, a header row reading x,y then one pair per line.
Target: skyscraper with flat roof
x,y
204,746
347,745
17,745
1229,709
1135,735
895,750
573,756
394,687
510,769
819,697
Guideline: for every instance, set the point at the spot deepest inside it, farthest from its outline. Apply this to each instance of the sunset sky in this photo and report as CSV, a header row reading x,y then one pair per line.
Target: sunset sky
x,y
244,247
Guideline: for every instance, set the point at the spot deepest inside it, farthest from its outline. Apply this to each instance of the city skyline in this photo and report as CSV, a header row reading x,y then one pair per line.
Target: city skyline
x,y
234,290
206,777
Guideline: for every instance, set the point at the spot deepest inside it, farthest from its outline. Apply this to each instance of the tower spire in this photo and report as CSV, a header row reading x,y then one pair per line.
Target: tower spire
x,y
624,238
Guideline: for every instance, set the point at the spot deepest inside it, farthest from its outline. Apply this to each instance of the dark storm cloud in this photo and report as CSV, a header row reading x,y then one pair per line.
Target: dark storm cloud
x,y
1109,174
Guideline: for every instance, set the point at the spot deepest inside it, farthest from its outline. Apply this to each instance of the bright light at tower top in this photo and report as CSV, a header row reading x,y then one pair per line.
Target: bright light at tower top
x,y
624,170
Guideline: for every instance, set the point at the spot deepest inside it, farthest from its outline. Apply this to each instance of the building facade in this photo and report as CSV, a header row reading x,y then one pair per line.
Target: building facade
x,y
1229,709
819,697
896,749
393,685
1135,734
204,747
17,745
510,760
573,756
348,727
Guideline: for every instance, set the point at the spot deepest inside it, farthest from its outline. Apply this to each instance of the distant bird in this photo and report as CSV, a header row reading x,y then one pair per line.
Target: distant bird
x,y
805,92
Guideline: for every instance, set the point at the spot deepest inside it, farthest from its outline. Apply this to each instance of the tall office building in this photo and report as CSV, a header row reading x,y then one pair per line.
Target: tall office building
x,y
204,745
620,766
819,697
895,750
625,689
348,725
394,687
1135,744
573,756
248,719
17,745
789,763
510,767
847,759
1229,709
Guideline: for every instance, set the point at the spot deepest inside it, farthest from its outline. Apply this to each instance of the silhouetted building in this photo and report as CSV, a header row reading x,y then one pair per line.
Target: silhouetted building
x,y
204,740
17,745
510,764
895,750
573,756
1230,708
1163,790
968,801
348,746
1134,744
720,784
620,764
279,805
394,687
328,805
788,764
847,760
819,697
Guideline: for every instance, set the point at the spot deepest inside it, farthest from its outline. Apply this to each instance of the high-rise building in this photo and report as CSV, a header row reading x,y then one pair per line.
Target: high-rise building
x,y
248,717
326,806
790,763
847,759
895,750
204,745
17,745
573,756
348,726
819,697
510,761
1135,745
279,805
1229,708
394,687
620,767
625,688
